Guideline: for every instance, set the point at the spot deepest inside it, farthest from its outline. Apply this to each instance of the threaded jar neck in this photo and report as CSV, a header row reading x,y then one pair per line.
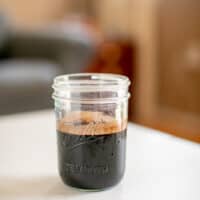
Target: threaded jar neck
x,y
91,87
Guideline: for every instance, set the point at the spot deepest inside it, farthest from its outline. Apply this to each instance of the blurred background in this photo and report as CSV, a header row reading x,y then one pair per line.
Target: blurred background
x,y
154,42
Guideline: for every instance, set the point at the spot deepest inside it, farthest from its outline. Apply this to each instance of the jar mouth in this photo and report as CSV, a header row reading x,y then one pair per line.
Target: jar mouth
x,y
70,86
90,82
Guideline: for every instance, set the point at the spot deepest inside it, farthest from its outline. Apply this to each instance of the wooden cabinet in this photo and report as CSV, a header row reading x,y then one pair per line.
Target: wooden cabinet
x,y
168,90
179,55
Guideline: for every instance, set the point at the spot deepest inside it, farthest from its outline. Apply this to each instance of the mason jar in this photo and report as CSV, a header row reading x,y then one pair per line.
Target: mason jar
x,y
91,112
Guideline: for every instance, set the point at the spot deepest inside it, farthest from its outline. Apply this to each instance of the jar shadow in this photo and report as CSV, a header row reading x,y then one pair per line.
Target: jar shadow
x,y
20,187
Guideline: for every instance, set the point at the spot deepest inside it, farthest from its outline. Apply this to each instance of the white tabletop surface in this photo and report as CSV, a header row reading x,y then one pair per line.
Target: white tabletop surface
x,y
159,166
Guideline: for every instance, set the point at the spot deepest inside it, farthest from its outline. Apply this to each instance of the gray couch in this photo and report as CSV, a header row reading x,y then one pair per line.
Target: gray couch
x,y
30,60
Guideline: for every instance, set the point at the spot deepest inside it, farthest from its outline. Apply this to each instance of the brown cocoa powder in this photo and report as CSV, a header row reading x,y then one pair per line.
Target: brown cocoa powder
x,y
90,123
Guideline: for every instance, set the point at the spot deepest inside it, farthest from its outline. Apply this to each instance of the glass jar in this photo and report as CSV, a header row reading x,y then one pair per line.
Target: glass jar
x,y
91,111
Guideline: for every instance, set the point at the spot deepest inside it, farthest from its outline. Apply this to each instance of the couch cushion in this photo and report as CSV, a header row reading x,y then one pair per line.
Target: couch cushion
x,y
19,72
3,32
26,85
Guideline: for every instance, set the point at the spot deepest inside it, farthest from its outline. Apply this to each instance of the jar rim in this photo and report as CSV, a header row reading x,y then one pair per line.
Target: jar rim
x,y
90,81
63,85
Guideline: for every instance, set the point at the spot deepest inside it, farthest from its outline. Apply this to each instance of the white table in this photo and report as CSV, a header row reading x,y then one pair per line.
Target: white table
x,y
159,166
